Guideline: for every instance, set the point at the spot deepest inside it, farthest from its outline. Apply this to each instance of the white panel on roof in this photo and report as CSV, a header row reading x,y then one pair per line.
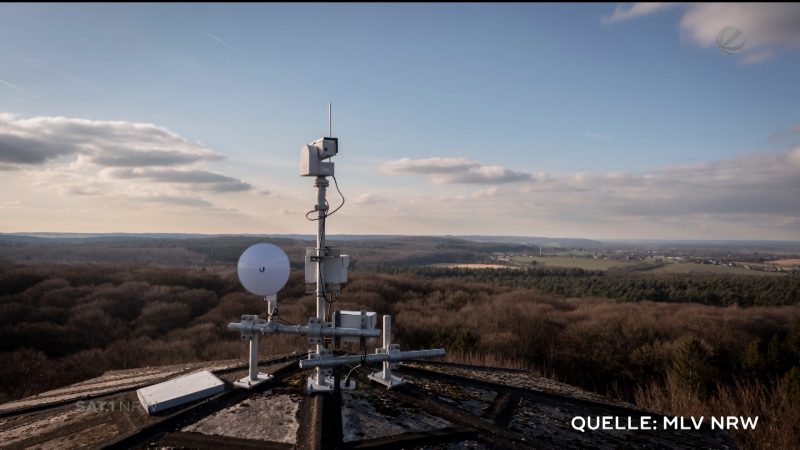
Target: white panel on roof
x,y
178,391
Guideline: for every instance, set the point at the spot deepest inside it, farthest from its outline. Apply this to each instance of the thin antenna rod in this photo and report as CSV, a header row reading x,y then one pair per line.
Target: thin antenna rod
x,y
330,119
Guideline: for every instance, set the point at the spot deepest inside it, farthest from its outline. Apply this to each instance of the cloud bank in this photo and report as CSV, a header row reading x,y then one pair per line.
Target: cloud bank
x,y
117,159
455,170
622,13
202,179
762,183
81,172
106,143
753,196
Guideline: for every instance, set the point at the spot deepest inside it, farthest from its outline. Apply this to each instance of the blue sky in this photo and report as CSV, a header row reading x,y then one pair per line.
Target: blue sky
x,y
567,118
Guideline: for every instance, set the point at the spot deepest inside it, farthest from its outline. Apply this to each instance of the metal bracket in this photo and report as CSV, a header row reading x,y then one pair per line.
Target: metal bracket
x,y
385,376
254,377
314,337
322,380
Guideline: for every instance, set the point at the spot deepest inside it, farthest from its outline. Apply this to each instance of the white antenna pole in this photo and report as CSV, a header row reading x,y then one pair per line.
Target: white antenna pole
x,y
321,183
253,372
313,162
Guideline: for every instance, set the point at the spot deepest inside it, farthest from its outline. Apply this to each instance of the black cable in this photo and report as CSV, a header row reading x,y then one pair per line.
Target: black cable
x,y
336,183
328,313
363,361
334,299
281,321
347,378
322,230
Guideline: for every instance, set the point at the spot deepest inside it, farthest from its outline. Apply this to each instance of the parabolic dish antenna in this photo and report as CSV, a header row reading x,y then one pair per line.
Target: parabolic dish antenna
x,y
263,269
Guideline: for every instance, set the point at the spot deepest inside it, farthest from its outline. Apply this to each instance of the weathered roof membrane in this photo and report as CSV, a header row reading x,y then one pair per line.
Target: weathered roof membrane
x,y
444,405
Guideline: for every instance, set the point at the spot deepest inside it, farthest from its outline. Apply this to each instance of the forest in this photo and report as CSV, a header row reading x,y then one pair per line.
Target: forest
x,y
706,288
677,343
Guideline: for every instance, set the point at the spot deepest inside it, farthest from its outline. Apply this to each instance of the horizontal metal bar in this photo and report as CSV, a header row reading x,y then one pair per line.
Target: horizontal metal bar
x,y
305,330
335,361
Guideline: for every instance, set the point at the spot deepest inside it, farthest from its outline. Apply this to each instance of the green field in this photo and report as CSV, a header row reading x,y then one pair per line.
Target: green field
x,y
605,264
566,261
708,268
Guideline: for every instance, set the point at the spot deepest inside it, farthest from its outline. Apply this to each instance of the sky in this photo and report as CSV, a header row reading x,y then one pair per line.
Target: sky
x,y
615,121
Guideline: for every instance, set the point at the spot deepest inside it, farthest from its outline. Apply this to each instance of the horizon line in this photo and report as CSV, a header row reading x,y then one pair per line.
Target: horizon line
x,y
311,235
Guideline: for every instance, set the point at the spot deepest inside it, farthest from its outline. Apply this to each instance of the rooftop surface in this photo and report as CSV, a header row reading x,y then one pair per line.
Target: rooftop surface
x,y
443,406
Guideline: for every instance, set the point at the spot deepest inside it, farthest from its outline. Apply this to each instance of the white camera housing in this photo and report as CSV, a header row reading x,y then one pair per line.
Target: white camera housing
x,y
313,156
326,147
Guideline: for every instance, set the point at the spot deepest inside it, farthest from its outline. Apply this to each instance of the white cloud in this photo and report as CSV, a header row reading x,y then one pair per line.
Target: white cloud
x,y
203,179
767,28
192,202
434,165
106,143
622,13
794,157
491,191
455,170
763,183
111,159
761,24
366,199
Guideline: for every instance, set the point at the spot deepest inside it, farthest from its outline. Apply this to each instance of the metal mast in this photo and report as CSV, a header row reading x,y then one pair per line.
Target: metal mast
x,y
328,268
321,184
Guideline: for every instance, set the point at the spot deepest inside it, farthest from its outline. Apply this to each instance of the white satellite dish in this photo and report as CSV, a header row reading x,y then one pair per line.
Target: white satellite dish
x,y
263,269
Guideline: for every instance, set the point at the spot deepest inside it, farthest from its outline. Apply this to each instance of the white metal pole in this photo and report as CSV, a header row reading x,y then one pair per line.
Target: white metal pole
x,y
322,209
387,341
321,184
254,357
272,302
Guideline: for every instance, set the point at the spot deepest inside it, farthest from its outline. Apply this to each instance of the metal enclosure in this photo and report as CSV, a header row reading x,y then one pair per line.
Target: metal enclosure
x,y
178,391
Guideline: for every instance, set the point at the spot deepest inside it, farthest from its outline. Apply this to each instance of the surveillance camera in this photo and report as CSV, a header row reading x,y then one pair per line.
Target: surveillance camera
x,y
326,147
313,156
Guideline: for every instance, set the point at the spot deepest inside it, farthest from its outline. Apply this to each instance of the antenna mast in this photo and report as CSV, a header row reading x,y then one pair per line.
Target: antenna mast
x,y
327,268
321,184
